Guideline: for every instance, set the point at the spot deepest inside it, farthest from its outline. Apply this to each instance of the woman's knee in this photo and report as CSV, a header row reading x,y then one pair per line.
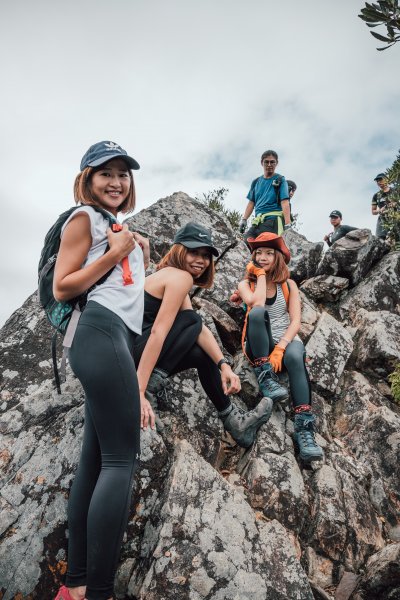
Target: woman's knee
x,y
295,355
189,317
258,315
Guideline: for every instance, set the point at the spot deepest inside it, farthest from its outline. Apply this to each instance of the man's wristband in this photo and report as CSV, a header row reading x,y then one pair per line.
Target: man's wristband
x,y
221,362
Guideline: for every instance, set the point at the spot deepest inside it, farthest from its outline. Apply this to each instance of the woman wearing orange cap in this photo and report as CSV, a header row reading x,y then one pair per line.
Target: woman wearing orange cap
x,y
270,338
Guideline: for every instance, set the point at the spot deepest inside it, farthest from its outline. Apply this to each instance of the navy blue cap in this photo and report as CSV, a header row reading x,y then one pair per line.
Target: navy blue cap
x,y
193,235
102,152
380,176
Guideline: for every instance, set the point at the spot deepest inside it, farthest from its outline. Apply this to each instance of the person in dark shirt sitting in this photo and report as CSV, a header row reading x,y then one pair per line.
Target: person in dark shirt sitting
x,y
339,230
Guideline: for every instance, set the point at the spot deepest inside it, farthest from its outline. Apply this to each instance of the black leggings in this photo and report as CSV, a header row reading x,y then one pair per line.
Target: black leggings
x,y
180,352
101,357
260,343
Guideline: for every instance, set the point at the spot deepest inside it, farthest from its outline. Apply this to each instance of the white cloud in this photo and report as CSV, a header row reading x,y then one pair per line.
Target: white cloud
x,y
195,91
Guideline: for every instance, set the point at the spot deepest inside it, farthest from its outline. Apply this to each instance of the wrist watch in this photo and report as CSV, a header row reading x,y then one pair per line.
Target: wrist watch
x,y
223,361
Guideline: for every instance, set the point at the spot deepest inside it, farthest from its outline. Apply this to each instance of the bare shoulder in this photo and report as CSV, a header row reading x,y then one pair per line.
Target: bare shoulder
x,y
292,284
172,274
170,279
78,221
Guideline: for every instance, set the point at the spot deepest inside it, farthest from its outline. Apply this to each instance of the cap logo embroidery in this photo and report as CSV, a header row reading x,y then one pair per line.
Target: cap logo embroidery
x,y
202,235
112,146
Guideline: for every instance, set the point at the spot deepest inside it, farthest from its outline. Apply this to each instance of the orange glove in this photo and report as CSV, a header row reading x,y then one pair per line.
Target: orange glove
x,y
276,358
253,269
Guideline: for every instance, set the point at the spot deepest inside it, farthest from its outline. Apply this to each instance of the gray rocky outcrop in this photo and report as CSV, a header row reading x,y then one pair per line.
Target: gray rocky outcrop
x,y
378,291
352,256
305,255
328,351
325,288
377,340
382,578
209,520
203,540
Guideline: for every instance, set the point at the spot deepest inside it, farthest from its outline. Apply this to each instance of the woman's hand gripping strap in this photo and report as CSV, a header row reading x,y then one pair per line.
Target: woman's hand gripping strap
x,y
126,270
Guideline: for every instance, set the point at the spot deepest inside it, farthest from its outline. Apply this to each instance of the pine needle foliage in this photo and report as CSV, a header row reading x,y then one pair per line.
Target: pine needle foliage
x,y
215,199
383,12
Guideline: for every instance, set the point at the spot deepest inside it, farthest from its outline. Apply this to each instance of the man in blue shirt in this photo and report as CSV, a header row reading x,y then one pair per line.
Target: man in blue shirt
x,y
269,198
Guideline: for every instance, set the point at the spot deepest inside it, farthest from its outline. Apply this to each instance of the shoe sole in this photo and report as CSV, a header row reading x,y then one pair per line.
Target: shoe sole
x,y
252,431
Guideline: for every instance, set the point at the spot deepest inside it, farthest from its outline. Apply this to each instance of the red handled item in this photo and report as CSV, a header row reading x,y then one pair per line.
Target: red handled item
x,y
126,270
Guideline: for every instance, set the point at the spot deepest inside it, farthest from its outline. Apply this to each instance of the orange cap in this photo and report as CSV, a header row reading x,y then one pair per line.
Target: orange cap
x,y
270,240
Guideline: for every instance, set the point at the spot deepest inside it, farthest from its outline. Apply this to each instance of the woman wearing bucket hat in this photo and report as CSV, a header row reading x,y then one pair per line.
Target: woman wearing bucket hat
x,y
92,257
270,339
174,337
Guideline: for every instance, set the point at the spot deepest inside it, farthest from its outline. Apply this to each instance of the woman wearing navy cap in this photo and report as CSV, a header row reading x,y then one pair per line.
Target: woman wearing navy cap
x,y
175,339
101,358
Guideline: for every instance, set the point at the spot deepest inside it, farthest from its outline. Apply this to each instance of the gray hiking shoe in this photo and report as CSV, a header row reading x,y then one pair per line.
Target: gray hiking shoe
x,y
243,426
268,382
304,437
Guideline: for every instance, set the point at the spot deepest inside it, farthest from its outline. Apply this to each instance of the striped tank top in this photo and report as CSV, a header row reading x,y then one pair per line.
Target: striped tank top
x,y
278,314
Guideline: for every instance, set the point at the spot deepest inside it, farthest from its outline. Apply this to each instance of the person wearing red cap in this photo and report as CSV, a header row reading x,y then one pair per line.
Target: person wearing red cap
x,y
270,339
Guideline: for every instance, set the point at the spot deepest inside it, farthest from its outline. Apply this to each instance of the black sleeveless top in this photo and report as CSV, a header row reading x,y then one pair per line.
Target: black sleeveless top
x,y
151,308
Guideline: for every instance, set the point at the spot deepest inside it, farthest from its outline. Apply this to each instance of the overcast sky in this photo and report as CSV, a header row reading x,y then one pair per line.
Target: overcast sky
x,y
195,90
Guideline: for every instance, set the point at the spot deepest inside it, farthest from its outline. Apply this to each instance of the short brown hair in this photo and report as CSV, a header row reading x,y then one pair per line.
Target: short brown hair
x,y
269,153
176,257
83,193
279,272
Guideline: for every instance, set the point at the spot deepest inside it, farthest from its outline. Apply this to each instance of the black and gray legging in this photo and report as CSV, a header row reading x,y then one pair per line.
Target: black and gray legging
x,y
181,352
101,357
260,343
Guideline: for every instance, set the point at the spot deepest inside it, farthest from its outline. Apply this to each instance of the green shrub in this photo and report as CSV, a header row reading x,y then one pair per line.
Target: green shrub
x,y
394,379
215,199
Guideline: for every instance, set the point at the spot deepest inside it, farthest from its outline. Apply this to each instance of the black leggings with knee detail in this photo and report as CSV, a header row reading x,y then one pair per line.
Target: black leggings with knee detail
x,y
101,357
180,352
260,343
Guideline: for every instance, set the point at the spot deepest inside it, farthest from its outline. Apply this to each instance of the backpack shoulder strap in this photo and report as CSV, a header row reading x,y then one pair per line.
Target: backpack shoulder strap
x,y
244,331
277,186
286,291
111,220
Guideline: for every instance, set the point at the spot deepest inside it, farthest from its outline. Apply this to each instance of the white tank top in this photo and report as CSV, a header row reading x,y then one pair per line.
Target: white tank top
x,y
278,314
126,301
